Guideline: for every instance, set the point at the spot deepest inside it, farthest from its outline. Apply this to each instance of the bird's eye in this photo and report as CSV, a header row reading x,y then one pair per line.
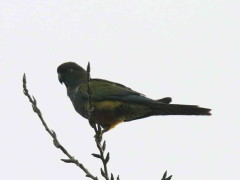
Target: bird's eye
x,y
70,70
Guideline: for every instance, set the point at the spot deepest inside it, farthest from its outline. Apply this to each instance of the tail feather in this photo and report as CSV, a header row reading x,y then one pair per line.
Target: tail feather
x,y
179,109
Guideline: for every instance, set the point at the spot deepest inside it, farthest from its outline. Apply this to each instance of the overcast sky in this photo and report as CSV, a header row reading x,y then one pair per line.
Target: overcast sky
x,y
188,50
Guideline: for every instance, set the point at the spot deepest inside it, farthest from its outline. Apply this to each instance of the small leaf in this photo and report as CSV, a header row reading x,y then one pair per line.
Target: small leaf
x,y
56,143
103,173
54,134
67,160
96,156
118,178
34,100
107,158
112,178
165,176
104,146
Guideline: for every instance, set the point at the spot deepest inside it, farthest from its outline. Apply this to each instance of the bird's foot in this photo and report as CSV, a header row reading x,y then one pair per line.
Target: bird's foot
x,y
98,136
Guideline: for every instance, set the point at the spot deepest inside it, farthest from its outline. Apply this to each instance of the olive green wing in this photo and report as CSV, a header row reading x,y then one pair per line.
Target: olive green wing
x,y
107,90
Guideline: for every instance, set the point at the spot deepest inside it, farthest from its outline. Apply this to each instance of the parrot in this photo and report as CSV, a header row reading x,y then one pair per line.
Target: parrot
x,y
111,103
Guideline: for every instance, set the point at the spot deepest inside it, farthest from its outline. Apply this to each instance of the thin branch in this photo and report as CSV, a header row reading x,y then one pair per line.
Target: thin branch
x,y
98,133
101,147
57,144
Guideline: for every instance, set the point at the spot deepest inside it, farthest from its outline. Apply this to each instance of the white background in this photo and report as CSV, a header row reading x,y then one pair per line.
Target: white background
x,y
188,50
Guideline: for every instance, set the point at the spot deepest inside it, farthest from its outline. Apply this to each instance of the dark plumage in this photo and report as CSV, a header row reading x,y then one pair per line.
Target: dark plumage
x,y
114,103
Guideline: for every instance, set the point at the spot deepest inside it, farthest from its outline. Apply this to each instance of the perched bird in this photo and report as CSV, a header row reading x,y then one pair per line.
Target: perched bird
x,y
113,103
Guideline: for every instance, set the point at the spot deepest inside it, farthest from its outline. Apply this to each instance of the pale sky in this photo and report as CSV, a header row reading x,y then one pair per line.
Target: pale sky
x,y
188,50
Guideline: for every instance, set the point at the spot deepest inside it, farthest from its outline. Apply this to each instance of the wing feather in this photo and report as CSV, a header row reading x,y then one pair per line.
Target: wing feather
x,y
107,90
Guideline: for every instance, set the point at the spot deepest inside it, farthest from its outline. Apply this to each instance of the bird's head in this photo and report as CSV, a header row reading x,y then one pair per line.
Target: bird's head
x,y
71,74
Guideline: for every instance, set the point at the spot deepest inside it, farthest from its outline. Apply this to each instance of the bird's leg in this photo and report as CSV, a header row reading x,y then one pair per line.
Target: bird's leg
x,y
99,133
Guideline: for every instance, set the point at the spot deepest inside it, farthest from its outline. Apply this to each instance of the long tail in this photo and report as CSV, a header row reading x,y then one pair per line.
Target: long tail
x,y
179,109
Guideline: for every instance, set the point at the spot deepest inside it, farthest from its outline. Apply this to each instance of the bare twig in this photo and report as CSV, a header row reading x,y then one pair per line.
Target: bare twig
x,y
98,134
57,144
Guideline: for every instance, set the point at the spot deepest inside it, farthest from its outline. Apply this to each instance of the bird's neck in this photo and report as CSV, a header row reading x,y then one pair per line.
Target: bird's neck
x,y
75,80
73,84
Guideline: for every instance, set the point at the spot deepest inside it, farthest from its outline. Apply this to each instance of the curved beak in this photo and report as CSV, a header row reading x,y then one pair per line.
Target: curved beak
x,y
60,78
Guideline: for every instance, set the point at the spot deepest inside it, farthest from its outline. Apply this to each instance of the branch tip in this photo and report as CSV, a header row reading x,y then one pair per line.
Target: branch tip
x,y
165,176
24,78
88,67
112,178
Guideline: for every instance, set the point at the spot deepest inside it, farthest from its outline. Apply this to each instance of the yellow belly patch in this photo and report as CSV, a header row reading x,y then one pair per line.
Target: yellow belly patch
x,y
106,115
110,105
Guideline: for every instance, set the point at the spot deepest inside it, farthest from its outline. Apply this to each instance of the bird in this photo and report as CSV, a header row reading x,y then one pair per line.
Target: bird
x,y
113,103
